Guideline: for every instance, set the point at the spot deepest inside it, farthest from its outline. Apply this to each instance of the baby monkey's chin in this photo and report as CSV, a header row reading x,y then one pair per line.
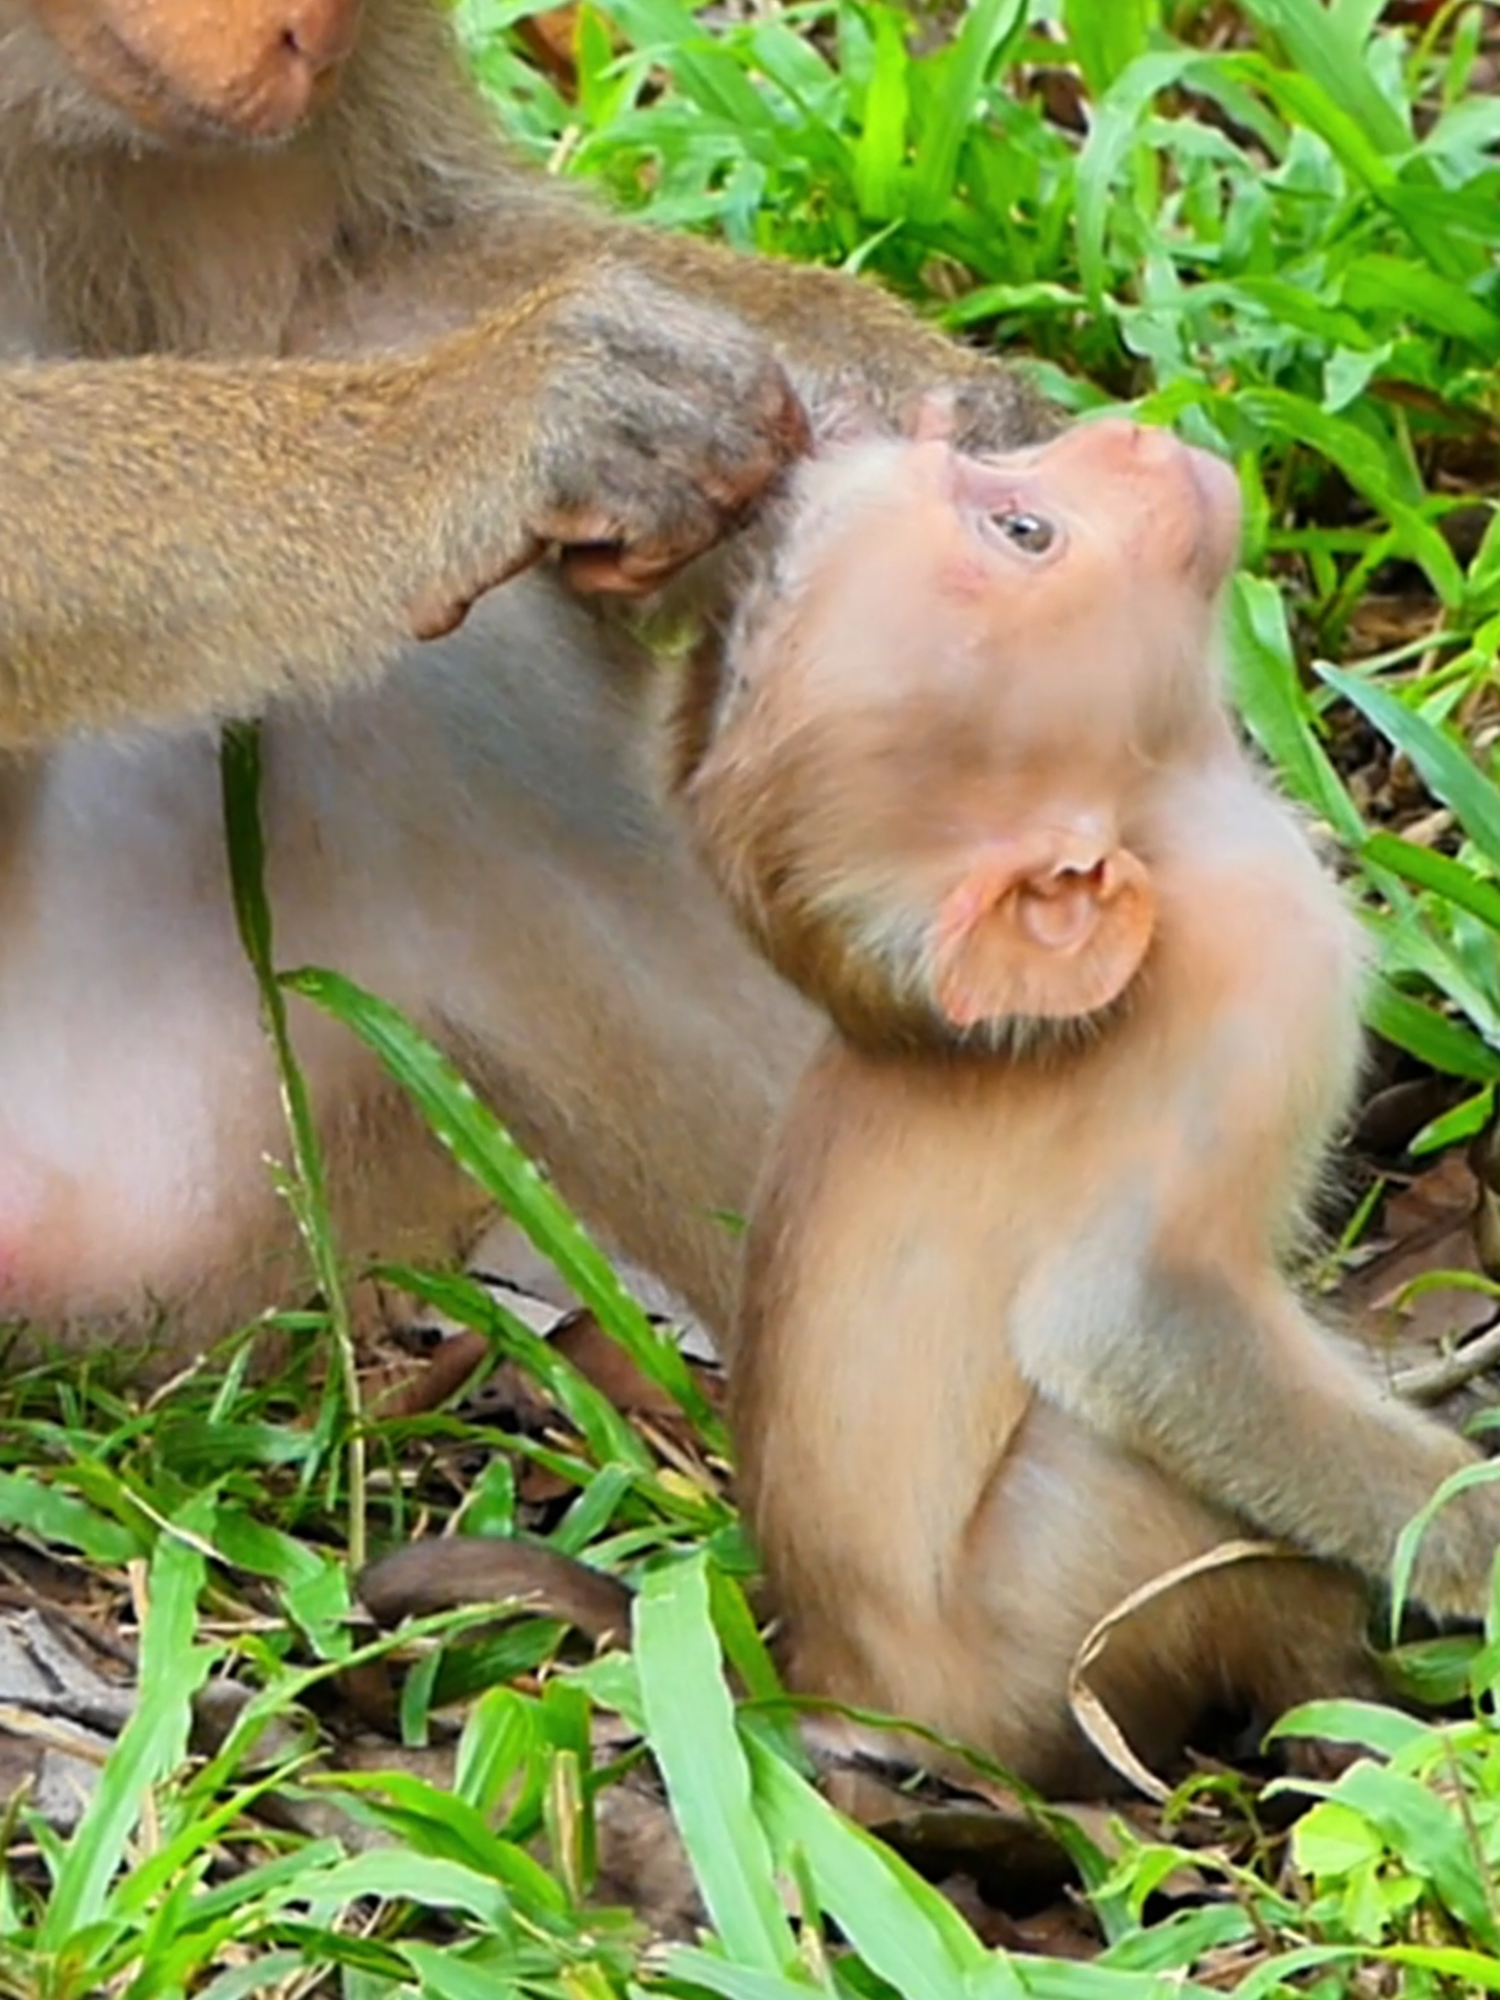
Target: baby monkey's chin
x,y
1035,1037
919,1031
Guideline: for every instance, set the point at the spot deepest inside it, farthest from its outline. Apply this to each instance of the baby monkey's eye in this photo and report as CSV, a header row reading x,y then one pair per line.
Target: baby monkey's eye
x,y
1033,534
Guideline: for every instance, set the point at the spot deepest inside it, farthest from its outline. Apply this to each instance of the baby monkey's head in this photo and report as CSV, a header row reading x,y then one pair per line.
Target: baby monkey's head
x,y
926,769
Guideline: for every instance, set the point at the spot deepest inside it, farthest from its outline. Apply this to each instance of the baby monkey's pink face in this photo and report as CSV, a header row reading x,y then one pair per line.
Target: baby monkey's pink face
x,y
1067,591
950,716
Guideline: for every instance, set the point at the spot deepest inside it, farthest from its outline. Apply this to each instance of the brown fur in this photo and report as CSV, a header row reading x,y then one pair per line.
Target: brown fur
x,y
427,1577
309,386
1016,1337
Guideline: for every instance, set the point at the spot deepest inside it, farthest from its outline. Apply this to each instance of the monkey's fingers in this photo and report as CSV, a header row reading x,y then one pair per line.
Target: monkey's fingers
x,y
600,555
621,569
613,571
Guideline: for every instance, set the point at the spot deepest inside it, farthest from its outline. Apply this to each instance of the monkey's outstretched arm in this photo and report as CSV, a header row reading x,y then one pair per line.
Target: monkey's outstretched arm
x,y
826,327
1234,1390
187,539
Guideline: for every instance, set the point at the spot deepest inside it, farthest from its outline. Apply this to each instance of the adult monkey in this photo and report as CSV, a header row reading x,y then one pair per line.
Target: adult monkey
x,y
329,364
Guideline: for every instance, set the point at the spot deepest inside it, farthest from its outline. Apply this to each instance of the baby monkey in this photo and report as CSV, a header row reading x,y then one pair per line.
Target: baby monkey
x,y
1016,1336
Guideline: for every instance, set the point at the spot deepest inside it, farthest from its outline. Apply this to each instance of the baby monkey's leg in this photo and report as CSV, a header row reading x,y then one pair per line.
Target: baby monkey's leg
x,y
1070,1527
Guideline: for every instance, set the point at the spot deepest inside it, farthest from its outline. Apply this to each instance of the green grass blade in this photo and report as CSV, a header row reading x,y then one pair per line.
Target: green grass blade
x,y
1384,284
880,150
1428,1035
37,1507
1430,1837
486,1151
153,1742
428,1881
1327,46
1445,766
704,69
1106,36
607,1434
698,1968
245,852
444,1975
1368,1724
906,1931
1271,699
691,1723
1446,877
1113,130
988,29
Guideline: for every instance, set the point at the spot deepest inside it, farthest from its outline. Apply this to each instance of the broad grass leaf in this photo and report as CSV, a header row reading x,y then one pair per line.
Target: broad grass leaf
x,y
1372,467
1378,283
591,1513
35,1506
1427,1834
1106,36
1113,129
1454,1128
609,1437
443,1825
501,1743
706,1971
690,1718
1054,1979
153,1743
1465,1971
1326,46
1449,879
1370,1724
748,1653
988,28
880,150
404,1877
445,1974
1412,944
905,1930
268,1972
1168,1948
1333,1839
705,70
1445,1044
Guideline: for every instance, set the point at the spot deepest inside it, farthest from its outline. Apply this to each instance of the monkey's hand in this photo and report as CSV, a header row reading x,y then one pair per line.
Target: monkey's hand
x,y
607,418
659,424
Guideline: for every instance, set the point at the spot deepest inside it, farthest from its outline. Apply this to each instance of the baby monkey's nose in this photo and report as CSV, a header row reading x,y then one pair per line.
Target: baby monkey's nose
x,y
1190,500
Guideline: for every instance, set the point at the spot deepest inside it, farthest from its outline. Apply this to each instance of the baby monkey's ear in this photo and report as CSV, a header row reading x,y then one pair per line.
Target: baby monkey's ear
x,y
1049,924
